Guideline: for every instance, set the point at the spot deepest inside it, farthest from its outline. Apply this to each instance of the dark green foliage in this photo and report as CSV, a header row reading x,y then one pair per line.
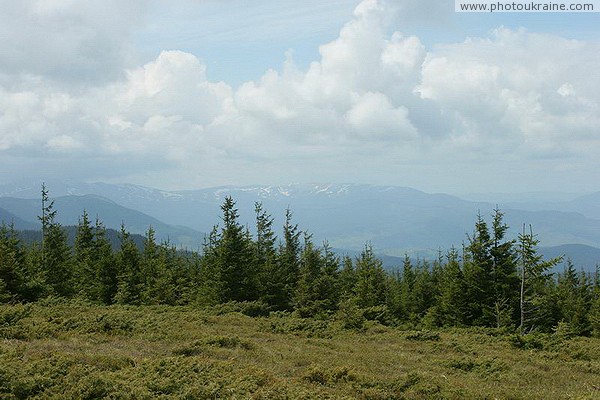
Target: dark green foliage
x,y
85,269
453,301
407,306
254,276
106,267
269,279
536,303
58,261
163,273
425,289
249,308
234,258
504,274
210,283
288,264
594,316
316,291
490,275
371,280
56,258
574,299
479,276
12,261
347,278
130,276
350,314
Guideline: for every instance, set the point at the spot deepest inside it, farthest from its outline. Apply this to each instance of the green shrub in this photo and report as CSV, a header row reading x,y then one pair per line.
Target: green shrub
x,y
380,314
12,314
316,374
229,342
533,341
112,324
322,376
189,350
350,315
423,336
564,330
249,308
283,323
462,364
484,368
10,321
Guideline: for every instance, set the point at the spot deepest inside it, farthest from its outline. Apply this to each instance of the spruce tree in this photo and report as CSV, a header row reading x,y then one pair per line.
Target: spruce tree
x,y
453,302
105,265
130,279
407,305
479,276
234,258
347,278
86,277
265,256
288,264
210,286
535,302
504,273
151,268
307,296
12,265
574,299
56,258
594,314
371,281
329,279
424,290
174,285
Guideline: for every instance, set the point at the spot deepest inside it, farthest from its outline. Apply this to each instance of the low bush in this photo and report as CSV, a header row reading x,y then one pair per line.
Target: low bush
x,y
249,308
423,336
282,323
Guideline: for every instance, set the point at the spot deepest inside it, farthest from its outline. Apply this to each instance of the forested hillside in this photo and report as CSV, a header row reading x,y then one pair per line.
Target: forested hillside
x,y
491,281
395,219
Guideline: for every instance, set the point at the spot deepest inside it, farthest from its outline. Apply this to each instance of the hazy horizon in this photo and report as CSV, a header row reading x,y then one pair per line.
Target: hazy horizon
x,y
488,197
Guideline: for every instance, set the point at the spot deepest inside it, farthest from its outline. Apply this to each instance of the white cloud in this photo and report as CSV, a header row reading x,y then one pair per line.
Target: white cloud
x,y
503,93
63,144
375,102
67,41
566,89
373,117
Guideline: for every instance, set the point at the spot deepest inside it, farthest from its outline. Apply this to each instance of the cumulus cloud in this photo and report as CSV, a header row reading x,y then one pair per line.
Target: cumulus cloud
x,y
374,102
503,90
67,40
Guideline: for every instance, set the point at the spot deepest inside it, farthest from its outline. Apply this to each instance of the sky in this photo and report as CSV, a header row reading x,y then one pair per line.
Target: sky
x,y
197,93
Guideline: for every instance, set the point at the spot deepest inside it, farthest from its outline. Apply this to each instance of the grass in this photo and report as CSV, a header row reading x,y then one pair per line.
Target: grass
x,y
81,351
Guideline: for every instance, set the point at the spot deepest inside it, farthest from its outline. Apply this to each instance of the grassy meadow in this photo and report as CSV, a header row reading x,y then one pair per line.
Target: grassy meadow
x,y
73,350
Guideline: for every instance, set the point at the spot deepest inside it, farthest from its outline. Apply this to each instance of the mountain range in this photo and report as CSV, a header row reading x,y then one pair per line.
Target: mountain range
x,y
396,220
23,213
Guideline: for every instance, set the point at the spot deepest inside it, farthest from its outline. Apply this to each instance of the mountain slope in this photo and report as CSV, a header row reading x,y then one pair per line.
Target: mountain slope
x,y
8,218
583,257
394,219
70,208
588,205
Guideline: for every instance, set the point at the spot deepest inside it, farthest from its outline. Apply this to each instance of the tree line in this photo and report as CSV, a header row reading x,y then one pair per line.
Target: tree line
x,y
490,281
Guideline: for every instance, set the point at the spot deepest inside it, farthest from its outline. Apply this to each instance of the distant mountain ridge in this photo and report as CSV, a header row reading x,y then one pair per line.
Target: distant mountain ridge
x,y
24,213
394,219
10,219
